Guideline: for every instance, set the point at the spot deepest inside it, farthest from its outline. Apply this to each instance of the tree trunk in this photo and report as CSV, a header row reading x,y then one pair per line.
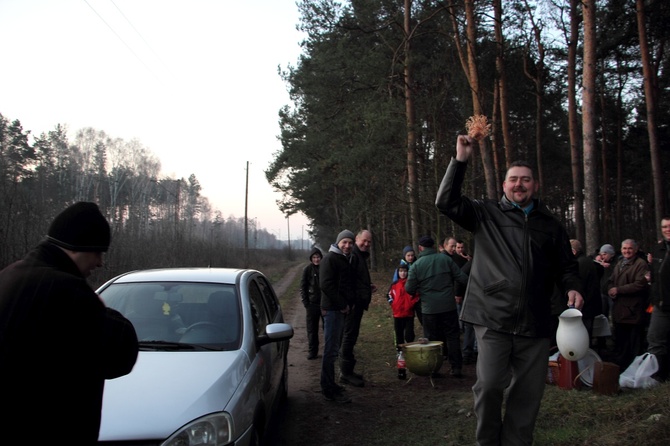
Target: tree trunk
x,y
411,132
650,87
573,123
538,80
589,126
502,85
478,96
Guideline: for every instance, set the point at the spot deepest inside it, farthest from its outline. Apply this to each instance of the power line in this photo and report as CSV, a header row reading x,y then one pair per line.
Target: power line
x,y
122,41
143,39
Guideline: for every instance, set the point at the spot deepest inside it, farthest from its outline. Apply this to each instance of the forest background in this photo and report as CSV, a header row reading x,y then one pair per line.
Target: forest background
x,y
379,93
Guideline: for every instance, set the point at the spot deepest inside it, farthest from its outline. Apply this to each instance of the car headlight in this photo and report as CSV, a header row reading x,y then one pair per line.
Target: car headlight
x,y
211,430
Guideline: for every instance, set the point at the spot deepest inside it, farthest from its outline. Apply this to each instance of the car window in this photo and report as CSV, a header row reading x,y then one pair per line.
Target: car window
x,y
194,313
268,297
258,309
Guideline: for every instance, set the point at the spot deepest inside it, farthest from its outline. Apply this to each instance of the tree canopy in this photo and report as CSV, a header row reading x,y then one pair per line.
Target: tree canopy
x,y
344,162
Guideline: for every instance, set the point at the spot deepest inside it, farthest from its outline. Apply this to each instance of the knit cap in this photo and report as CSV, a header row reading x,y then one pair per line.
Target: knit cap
x,y
80,227
609,249
426,241
345,234
407,249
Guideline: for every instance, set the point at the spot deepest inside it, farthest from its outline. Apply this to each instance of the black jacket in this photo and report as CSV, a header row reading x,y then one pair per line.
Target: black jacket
x,y
58,344
363,282
337,277
518,259
310,290
660,275
590,273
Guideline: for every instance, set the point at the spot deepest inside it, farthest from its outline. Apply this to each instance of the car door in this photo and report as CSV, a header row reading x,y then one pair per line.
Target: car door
x,y
265,310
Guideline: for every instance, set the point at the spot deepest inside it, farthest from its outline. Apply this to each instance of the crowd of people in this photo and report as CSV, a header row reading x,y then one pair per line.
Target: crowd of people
x,y
499,306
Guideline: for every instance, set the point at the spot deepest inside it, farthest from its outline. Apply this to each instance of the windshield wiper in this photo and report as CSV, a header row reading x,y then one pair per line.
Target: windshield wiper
x,y
166,345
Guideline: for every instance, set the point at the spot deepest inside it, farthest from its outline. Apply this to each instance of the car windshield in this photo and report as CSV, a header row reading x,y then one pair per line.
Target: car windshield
x,y
168,314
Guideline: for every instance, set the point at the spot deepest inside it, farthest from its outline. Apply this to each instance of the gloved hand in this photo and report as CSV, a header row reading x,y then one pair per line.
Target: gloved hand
x,y
389,298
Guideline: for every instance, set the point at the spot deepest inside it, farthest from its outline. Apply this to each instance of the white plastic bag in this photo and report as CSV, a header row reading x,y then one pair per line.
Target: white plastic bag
x,y
639,372
601,326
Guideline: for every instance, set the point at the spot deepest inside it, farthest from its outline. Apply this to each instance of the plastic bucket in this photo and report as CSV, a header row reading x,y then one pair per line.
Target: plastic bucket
x,y
423,359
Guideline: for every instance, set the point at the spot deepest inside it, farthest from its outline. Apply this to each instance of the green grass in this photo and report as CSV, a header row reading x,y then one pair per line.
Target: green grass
x,y
567,417
394,412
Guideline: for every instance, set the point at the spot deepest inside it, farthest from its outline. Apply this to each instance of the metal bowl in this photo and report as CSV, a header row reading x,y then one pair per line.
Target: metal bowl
x,y
423,358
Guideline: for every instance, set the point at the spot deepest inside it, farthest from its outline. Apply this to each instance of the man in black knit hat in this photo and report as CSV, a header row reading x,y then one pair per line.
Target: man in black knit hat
x,y
58,341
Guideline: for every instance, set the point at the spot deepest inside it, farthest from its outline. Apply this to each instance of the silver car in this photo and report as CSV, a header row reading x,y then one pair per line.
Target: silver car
x,y
212,367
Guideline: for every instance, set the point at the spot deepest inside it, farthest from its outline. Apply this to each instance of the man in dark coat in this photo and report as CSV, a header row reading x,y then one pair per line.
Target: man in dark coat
x,y
522,254
58,341
659,327
338,296
363,288
628,287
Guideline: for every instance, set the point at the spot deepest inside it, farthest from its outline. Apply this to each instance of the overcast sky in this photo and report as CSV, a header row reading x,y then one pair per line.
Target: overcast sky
x,y
195,81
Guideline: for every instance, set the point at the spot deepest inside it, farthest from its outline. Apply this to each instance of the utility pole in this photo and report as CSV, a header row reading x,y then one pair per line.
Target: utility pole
x,y
288,231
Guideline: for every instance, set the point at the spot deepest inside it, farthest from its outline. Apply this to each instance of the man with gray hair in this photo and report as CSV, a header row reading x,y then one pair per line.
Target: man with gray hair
x,y
352,323
629,290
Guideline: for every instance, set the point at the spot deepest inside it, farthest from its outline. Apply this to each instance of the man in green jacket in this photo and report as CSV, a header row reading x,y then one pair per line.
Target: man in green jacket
x,y
433,277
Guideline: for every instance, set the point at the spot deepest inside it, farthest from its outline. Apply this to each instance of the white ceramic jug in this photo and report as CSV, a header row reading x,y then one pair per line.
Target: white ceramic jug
x,y
572,338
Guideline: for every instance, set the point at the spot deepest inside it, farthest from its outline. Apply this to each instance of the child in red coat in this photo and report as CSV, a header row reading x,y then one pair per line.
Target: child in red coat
x,y
402,304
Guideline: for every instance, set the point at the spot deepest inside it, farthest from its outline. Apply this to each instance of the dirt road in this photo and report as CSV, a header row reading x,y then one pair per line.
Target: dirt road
x,y
378,410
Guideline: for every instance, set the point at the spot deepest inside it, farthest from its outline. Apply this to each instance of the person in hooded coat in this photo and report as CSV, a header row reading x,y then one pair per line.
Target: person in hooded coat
x,y
310,294
58,341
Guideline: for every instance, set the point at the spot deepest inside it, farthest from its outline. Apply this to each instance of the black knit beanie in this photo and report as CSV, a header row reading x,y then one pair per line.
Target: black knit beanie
x,y
80,227
426,241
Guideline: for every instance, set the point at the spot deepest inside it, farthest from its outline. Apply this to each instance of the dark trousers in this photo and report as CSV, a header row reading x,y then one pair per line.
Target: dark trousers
x,y
403,328
628,343
469,340
332,336
312,319
511,374
417,312
658,339
352,326
444,327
